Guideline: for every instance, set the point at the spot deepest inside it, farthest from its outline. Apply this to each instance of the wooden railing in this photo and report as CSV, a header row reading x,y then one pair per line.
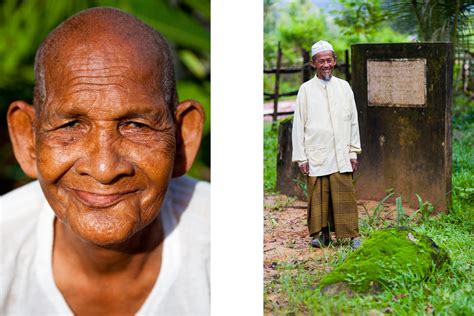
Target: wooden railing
x,y
305,69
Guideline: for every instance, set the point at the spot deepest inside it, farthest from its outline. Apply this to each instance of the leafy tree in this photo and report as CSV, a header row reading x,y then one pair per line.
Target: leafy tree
x,y
424,20
434,20
298,24
359,17
363,21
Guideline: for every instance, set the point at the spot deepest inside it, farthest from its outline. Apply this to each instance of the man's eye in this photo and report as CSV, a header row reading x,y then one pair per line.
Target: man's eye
x,y
70,124
135,125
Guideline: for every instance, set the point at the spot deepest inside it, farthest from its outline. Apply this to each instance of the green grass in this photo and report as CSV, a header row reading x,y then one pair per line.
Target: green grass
x,y
448,291
270,148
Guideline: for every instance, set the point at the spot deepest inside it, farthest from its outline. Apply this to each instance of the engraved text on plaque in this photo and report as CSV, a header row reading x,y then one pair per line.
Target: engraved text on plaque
x,y
396,82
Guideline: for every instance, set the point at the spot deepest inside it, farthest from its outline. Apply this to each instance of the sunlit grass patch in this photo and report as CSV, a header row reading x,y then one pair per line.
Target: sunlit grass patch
x,y
270,157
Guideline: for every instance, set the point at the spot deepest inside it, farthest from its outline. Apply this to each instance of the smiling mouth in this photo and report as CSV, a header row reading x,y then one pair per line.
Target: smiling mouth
x,y
100,200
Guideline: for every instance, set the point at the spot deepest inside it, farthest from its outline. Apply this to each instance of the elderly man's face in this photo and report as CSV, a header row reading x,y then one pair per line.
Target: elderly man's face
x,y
105,145
324,63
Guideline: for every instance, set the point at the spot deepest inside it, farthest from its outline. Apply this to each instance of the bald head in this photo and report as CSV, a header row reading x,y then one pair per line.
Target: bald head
x,y
106,36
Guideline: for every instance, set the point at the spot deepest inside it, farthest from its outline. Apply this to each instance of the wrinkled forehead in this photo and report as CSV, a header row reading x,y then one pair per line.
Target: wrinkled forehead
x,y
102,55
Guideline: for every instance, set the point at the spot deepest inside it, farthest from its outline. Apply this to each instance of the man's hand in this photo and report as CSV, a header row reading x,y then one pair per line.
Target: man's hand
x,y
354,164
304,168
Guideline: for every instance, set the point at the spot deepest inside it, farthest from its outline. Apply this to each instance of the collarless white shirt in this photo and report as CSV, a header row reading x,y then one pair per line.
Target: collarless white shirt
x,y
325,126
27,234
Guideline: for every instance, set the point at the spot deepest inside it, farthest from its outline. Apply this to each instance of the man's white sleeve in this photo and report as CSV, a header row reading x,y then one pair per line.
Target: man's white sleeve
x,y
354,147
299,120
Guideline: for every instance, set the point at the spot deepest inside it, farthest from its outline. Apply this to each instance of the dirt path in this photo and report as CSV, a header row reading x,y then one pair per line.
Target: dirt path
x,y
286,233
283,106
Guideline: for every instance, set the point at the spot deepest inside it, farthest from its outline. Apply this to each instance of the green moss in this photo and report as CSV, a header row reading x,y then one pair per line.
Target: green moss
x,y
287,119
388,258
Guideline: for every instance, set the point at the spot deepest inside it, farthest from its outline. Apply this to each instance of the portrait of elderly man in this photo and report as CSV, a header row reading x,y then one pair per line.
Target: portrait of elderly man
x,y
326,142
111,226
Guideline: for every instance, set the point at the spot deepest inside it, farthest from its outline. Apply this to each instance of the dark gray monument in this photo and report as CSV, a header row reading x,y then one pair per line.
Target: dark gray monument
x,y
289,178
403,97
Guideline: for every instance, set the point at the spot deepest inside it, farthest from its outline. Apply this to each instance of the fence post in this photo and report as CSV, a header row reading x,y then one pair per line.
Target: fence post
x,y
465,72
306,68
277,87
347,70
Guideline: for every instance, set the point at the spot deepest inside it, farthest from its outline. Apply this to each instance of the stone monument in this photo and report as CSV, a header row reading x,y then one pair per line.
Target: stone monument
x,y
403,97
289,180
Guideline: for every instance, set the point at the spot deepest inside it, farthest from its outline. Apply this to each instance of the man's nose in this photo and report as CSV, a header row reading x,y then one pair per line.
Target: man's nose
x,y
104,159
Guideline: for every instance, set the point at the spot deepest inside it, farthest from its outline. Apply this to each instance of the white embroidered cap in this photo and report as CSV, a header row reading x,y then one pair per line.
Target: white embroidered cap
x,y
320,46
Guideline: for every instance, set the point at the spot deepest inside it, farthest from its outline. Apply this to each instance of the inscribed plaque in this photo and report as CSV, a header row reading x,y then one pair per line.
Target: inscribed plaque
x,y
396,82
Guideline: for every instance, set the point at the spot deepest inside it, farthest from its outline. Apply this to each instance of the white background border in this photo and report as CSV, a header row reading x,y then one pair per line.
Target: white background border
x,y
237,157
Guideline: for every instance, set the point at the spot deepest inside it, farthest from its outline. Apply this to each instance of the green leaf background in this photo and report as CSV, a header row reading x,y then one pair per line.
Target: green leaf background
x,y
24,25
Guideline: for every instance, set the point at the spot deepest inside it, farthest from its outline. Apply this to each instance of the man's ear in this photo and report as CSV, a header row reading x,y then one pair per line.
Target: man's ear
x,y
20,118
190,122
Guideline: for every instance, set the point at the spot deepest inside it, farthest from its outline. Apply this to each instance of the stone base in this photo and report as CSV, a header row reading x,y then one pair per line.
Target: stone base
x,y
289,180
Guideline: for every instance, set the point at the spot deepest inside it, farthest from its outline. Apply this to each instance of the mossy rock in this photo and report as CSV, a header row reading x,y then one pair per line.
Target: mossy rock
x,y
289,118
389,257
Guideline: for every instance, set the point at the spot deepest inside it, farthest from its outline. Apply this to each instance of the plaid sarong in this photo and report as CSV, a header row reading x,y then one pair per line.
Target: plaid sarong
x,y
331,201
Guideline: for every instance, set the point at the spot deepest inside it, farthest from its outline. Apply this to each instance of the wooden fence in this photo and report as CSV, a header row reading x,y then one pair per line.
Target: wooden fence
x,y
465,78
305,69
463,81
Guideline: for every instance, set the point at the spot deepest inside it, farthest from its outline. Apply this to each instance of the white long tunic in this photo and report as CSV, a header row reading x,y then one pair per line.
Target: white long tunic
x,y
325,127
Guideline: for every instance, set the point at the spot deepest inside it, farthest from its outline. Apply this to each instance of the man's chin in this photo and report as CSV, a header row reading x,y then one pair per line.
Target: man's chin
x,y
105,235
105,239
325,76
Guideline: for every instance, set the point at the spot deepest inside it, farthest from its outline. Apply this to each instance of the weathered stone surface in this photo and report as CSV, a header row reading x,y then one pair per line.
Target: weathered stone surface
x,y
289,178
389,257
397,82
406,148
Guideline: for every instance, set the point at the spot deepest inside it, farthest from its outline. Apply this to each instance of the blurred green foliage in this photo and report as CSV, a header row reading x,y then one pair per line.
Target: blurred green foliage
x,y
434,20
299,24
24,25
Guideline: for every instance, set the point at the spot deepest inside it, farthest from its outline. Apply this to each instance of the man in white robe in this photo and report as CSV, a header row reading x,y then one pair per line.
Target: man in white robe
x,y
325,145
